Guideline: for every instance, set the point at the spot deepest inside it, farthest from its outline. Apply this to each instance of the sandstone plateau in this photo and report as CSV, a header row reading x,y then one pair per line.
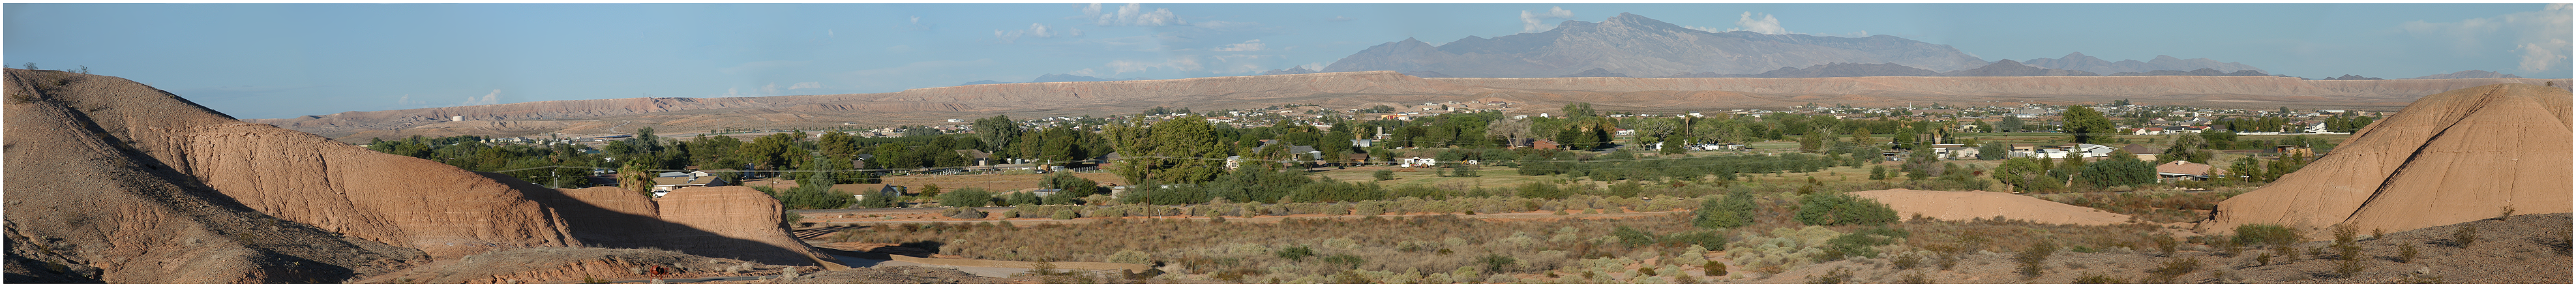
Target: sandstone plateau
x,y
2457,156
1354,90
119,182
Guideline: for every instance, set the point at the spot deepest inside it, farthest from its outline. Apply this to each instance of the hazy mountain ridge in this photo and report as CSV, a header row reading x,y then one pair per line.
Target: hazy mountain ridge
x,y
2469,74
1051,78
1636,45
2080,62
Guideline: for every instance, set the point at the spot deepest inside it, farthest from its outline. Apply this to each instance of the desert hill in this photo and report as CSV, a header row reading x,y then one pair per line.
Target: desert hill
x,y
2469,74
1351,90
2467,154
119,182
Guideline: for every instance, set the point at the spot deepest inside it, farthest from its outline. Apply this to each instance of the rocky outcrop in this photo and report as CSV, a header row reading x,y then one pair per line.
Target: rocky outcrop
x,y
2462,155
1636,45
144,187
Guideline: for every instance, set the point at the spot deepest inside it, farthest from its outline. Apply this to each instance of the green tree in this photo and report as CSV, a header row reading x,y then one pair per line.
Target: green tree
x,y
1172,151
966,197
2009,124
2088,126
1993,151
2121,169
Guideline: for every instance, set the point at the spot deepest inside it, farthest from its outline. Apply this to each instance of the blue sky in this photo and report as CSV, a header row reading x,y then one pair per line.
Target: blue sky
x,y
285,60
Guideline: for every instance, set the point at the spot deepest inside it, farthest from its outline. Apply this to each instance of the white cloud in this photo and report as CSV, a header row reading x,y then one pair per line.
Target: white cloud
x,y
2541,37
1534,22
1040,30
1131,15
760,66
1183,63
406,101
1244,68
2538,57
1707,29
1766,25
770,89
1254,45
806,85
916,19
486,99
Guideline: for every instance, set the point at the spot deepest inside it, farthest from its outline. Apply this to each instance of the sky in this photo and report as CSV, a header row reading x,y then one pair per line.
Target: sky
x,y
288,60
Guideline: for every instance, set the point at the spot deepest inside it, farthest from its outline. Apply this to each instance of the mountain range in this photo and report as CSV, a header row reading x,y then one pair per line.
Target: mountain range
x,y
1636,45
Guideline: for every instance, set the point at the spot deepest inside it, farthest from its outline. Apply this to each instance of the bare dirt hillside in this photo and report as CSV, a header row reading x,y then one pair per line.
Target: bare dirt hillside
x,y
117,182
1354,90
2452,157
1966,205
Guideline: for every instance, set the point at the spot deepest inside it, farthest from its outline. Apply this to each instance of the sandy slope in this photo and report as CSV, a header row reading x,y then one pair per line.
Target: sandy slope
x,y
2452,157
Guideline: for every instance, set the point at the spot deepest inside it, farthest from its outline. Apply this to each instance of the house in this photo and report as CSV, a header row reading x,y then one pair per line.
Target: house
x,y
1233,162
863,191
1416,162
1945,151
1963,152
2094,150
2142,151
1356,158
2149,131
2184,170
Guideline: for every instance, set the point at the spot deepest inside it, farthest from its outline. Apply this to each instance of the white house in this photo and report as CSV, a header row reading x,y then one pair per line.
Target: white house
x,y
1416,162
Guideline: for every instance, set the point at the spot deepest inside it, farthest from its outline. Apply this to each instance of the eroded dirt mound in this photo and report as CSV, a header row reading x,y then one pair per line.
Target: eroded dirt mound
x,y
895,275
2456,156
736,221
1965,205
95,196
573,265
119,182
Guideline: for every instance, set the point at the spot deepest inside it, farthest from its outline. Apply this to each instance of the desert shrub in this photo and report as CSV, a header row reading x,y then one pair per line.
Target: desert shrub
x,y
2165,244
2406,254
1736,210
1345,261
1702,239
1713,268
1297,253
1829,209
1907,261
1064,214
2099,279
963,213
2464,236
1631,237
1862,243
2172,269
2274,235
1914,278
1836,276
2034,260
1131,257
1496,263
